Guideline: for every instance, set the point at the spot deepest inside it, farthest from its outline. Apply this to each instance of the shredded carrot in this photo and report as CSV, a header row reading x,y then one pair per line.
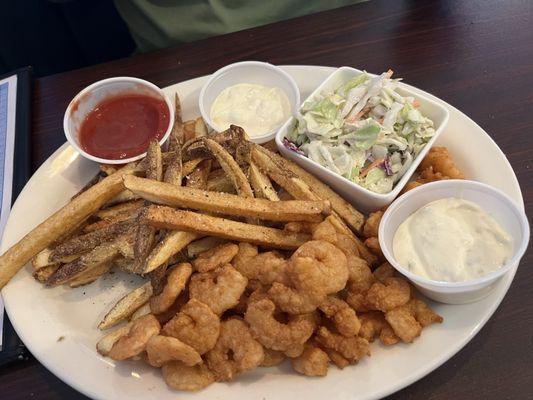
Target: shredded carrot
x,y
416,103
373,164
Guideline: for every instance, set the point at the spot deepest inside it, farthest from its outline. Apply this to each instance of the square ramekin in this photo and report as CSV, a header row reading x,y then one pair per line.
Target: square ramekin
x,y
363,199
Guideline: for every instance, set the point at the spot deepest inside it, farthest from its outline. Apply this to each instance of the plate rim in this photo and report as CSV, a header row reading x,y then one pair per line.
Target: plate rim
x,y
407,381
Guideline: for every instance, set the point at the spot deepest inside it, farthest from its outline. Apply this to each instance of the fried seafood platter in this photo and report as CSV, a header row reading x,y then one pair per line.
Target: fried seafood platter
x,y
244,260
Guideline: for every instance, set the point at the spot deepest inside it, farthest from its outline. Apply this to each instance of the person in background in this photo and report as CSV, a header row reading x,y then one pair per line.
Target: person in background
x,y
158,24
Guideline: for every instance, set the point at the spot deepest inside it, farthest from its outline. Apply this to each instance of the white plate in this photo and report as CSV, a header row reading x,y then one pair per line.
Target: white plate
x,y
42,316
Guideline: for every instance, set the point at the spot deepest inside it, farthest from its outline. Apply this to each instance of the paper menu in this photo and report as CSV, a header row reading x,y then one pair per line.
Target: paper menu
x,y
8,103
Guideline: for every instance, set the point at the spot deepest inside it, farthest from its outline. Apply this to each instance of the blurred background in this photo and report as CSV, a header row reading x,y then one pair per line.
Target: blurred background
x,y
59,35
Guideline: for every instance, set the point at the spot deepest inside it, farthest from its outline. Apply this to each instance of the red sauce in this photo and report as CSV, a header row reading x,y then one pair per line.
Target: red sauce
x,y
122,126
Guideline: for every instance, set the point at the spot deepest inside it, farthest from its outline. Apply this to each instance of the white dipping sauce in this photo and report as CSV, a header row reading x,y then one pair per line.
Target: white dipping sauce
x,y
257,109
451,240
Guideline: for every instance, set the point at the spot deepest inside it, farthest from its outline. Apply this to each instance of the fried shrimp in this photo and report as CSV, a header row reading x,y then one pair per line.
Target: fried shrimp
x,y
195,325
135,340
267,267
161,349
318,267
325,231
404,324
422,313
220,289
373,323
357,300
371,226
392,293
179,376
276,335
176,281
235,352
352,348
215,257
360,276
440,160
372,243
312,362
342,316
336,358
291,301
383,272
272,358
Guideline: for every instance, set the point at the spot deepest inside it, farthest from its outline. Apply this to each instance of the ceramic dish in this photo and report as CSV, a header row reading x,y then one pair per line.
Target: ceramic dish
x,y
41,315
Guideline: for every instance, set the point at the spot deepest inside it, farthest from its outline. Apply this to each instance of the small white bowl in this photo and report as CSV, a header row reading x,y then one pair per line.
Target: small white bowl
x,y
364,199
493,201
255,72
86,100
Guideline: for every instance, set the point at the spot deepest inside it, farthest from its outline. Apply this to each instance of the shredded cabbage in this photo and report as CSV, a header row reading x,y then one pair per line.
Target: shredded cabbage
x,y
363,121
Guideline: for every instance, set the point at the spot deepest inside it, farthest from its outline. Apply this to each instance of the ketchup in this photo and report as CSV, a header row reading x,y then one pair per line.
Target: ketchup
x,y
122,126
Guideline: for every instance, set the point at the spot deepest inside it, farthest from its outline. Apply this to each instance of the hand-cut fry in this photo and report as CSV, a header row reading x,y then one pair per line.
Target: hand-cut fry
x,y
142,310
198,178
189,166
228,204
176,135
90,274
83,243
261,184
122,197
111,213
218,181
100,255
42,274
229,140
228,164
109,169
201,245
171,244
188,130
346,211
126,306
105,344
169,218
145,235
341,227
64,220
174,171
199,127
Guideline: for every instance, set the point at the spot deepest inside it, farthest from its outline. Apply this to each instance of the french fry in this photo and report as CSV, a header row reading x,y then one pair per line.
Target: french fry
x,y
188,130
126,306
90,274
83,243
97,178
100,255
64,220
111,213
229,140
169,218
42,274
230,166
176,138
218,181
171,244
198,178
346,211
122,197
143,310
228,204
145,235
201,245
199,127
105,344
261,184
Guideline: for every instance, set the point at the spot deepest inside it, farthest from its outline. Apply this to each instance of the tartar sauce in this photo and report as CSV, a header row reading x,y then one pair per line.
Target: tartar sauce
x,y
257,109
451,240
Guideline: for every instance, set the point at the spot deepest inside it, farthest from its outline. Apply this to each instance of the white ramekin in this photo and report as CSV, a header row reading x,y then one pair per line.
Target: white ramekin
x,y
86,100
255,72
361,197
493,201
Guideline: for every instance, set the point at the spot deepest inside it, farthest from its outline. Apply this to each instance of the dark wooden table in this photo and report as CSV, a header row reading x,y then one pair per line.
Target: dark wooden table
x,y
476,55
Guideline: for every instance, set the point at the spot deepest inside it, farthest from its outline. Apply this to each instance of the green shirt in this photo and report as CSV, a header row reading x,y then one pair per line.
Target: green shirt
x,y
162,23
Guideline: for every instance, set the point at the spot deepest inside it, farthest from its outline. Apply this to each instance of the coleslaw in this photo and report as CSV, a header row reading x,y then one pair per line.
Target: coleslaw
x,y
364,130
